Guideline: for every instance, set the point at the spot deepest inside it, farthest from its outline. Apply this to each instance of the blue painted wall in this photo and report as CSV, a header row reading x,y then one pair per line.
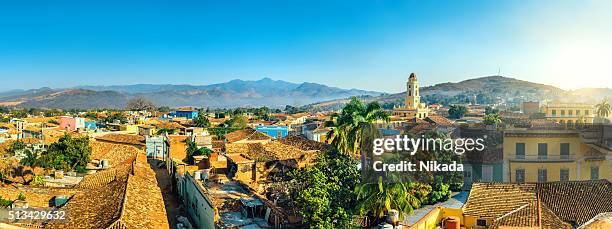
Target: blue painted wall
x,y
274,131
186,114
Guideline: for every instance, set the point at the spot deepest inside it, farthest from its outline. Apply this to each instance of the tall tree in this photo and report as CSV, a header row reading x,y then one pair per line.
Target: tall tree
x,y
379,198
457,111
201,121
603,108
324,192
140,104
67,154
355,126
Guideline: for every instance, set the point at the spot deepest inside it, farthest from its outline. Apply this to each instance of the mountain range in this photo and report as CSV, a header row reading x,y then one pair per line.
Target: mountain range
x,y
243,93
278,93
488,89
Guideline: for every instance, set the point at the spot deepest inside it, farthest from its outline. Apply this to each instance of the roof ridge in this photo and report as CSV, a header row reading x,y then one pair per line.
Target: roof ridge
x,y
512,212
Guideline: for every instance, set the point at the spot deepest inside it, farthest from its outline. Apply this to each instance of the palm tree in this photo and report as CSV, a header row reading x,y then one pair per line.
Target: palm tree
x,y
379,198
492,119
354,126
603,108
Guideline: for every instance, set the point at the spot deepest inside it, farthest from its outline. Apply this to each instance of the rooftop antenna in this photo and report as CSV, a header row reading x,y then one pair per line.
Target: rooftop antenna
x,y
498,71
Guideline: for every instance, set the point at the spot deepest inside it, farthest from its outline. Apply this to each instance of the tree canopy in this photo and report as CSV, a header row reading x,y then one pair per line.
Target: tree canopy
x,y
67,154
140,104
457,111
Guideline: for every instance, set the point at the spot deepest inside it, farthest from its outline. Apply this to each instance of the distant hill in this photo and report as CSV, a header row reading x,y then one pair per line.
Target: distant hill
x,y
278,93
485,90
235,93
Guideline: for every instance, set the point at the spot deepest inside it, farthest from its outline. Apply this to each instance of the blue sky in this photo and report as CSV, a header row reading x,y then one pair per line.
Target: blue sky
x,y
351,44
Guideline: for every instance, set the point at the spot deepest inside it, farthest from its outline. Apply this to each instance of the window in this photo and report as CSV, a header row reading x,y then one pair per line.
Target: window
x,y
564,151
481,222
542,175
594,173
586,112
564,175
520,150
562,112
554,112
577,112
570,112
520,175
542,150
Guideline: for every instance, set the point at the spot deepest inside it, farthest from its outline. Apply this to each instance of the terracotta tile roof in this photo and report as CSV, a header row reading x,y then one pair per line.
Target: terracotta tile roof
x,y
40,119
267,152
125,196
551,221
577,201
439,120
38,197
144,205
531,215
493,200
246,134
123,138
114,153
239,158
218,145
299,115
304,143
169,125
566,204
523,216
420,128
98,206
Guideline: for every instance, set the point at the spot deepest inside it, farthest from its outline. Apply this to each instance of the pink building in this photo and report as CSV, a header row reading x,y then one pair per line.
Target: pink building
x,y
71,123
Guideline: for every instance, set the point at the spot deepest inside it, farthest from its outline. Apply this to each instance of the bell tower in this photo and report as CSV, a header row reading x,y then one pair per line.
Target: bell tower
x,y
413,99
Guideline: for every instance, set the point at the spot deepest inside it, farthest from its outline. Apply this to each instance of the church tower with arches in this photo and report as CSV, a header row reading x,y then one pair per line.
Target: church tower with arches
x,y
413,108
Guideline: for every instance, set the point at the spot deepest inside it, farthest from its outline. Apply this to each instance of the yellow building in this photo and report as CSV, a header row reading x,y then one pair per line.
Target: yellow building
x,y
413,106
544,155
569,113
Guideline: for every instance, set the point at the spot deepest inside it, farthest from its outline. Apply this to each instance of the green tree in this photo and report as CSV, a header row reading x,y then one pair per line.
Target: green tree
x,y
379,198
355,126
325,196
163,109
193,150
115,116
165,131
440,191
492,119
457,111
238,121
603,108
201,121
30,159
67,154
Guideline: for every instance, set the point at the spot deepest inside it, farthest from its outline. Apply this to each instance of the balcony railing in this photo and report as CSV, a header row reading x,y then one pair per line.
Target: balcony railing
x,y
543,158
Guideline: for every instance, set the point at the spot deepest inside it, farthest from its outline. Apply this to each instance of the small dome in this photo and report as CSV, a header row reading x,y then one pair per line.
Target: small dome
x,y
412,76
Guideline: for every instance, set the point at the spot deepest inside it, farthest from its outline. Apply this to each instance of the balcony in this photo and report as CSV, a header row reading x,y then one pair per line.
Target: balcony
x,y
543,158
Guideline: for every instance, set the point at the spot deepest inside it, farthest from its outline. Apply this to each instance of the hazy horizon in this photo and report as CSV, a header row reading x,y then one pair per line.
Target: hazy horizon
x,y
271,78
65,44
